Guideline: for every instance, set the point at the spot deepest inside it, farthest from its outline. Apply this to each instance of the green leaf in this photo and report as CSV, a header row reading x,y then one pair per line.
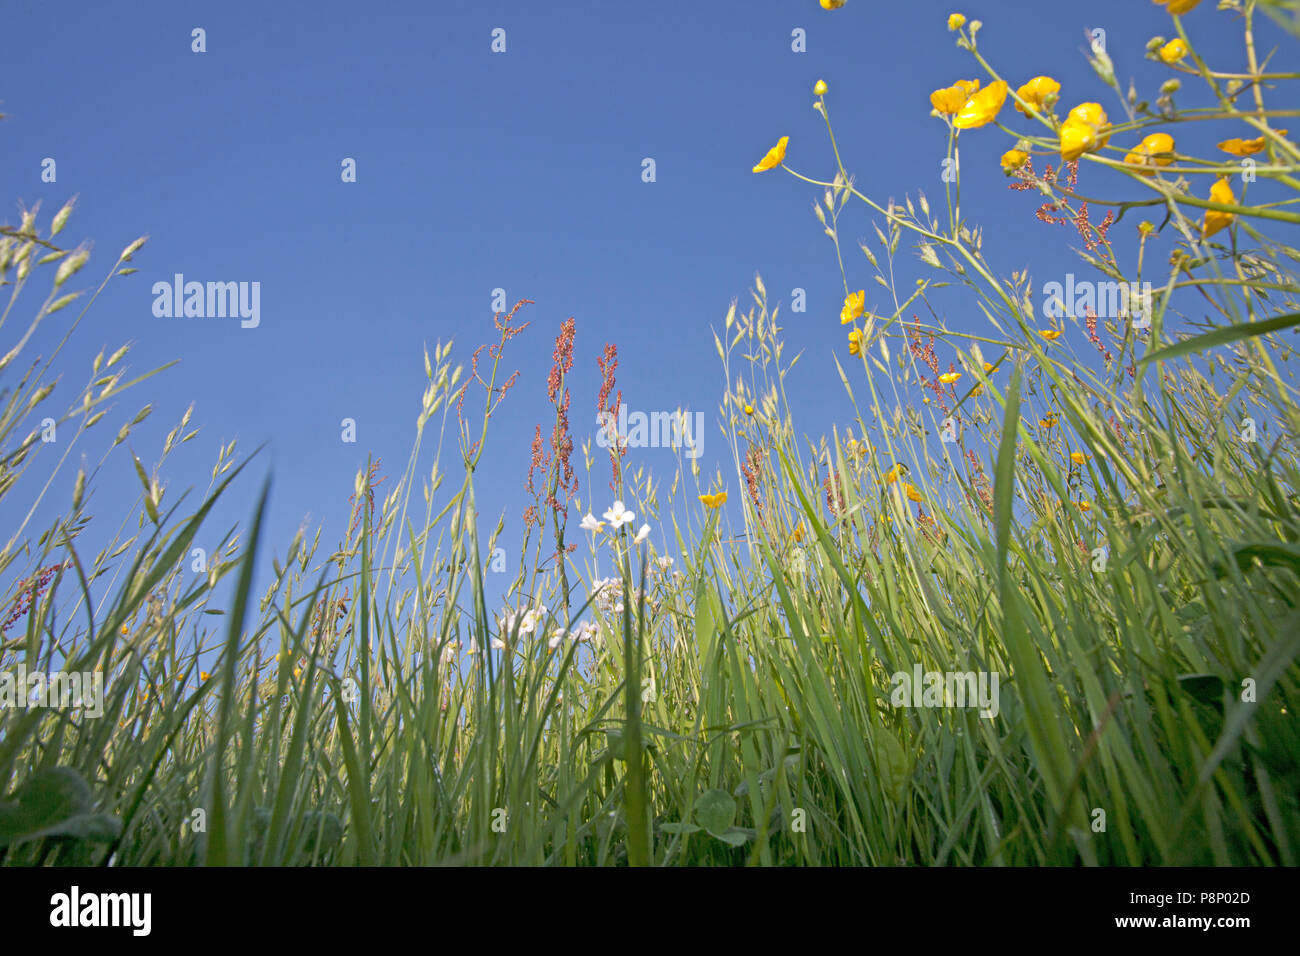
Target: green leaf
x,y
54,802
679,828
734,836
891,762
1221,336
716,811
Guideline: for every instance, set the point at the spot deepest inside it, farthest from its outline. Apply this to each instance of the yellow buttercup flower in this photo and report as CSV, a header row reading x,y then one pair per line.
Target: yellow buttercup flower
x,y
855,341
912,493
983,107
854,306
775,156
956,21
1048,422
1215,220
1154,150
1078,457
714,500
1146,228
988,367
1245,147
952,98
949,377
1085,506
1173,6
1084,130
1050,334
204,675
820,88
124,630
1173,51
895,473
1040,93
1014,159
1090,113
749,409
832,4
797,534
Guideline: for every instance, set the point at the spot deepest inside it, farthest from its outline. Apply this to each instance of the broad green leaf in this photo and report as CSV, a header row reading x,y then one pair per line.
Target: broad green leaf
x,y
716,811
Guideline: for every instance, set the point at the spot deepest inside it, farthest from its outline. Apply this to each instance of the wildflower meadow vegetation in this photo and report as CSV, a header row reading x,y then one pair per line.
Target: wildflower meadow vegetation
x,y
1034,600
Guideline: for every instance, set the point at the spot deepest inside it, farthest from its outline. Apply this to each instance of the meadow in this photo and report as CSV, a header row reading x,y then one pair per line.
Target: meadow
x,y
1034,602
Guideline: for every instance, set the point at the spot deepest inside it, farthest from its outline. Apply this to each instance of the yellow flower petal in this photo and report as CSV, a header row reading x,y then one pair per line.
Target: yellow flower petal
x,y
1084,130
949,377
912,493
983,107
775,156
1175,7
951,99
1078,457
1040,93
956,21
1215,220
1154,150
1013,159
832,4
855,341
1050,334
1173,51
820,88
854,306
1245,147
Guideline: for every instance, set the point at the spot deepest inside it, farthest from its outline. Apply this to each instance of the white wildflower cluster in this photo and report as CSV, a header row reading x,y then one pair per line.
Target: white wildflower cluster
x,y
526,621
584,632
616,516
609,595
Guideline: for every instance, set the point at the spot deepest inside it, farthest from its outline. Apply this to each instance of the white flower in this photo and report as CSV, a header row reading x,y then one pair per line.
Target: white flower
x,y
589,523
586,631
532,619
618,516
642,534
665,563
557,636
608,592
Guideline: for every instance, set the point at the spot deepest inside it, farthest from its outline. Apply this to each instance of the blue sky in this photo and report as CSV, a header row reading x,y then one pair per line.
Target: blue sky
x,y
518,170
